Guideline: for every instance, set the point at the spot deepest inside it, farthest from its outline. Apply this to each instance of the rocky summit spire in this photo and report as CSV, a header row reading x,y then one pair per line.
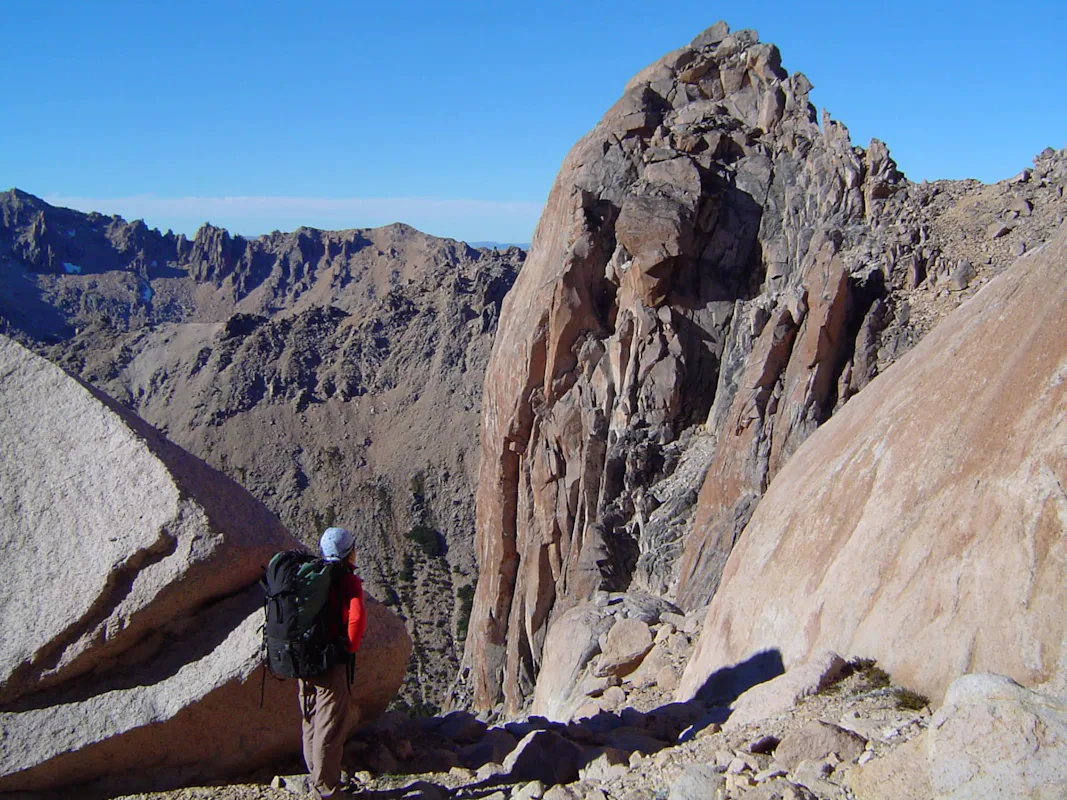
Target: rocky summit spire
x,y
716,271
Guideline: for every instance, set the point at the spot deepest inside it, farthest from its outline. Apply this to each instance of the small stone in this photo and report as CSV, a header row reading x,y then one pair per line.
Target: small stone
x,y
678,644
809,771
962,276
667,679
462,727
666,630
461,773
738,765
704,725
594,686
561,792
694,621
998,229
611,763
534,790
738,783
816,740
297,784
1018,249
487,771
763,745
613,696
545,756
587,710
578,733
1022,207
677,620
769,774
723,758
713,35
628,641
633,739
1022,177
697,782
423,790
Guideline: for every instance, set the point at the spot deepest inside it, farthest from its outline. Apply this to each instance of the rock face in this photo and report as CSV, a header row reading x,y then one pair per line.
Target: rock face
x,y
991,738
713,276
307,366
132,639
923,526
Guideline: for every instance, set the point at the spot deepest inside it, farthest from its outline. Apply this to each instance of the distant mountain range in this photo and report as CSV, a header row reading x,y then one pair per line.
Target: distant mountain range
x,y
501,245
337,375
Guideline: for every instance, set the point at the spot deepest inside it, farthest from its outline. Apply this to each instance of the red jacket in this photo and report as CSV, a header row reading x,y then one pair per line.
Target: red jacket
x,y
346,597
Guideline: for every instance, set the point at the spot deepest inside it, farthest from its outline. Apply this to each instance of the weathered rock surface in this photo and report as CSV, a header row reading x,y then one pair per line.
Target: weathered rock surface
x,y
130,652
714,275
109,530
307,366
991,738
923,526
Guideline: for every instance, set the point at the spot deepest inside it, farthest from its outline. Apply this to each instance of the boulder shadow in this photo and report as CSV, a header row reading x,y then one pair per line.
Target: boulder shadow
x,y
426,748
727,684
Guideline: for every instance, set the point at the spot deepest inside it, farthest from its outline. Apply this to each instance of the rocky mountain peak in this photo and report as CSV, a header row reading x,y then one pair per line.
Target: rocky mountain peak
x,y
714,275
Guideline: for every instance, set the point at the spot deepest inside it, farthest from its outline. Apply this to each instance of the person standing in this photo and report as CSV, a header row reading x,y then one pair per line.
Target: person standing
x,y
325,699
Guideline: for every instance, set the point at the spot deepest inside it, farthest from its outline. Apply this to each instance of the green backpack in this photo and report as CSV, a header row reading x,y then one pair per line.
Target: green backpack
x,y
299,637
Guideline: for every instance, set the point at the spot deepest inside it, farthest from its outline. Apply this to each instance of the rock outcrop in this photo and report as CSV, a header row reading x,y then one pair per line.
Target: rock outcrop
x,y
714,275
990,738
923,526
591,648
132,638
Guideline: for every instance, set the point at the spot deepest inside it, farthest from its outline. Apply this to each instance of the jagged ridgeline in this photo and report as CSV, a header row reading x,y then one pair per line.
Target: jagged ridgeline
x,y
715,274
336,375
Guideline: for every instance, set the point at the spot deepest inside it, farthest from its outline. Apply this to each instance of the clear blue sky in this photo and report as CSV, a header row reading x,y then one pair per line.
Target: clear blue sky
x,y
455,117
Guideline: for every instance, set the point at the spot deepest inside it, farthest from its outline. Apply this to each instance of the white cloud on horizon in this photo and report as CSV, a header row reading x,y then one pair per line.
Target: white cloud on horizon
x,y
250,215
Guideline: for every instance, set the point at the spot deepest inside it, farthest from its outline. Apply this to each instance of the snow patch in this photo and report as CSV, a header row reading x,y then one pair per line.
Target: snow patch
x,y
71,269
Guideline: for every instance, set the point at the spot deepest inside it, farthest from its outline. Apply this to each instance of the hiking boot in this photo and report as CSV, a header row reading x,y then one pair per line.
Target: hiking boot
x,y
343,790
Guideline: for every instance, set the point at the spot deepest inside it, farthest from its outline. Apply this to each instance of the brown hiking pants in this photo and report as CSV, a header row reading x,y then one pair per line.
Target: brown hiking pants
x,y
324,702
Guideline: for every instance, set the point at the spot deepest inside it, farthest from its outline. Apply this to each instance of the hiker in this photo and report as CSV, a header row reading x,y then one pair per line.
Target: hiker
x,y
325,698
